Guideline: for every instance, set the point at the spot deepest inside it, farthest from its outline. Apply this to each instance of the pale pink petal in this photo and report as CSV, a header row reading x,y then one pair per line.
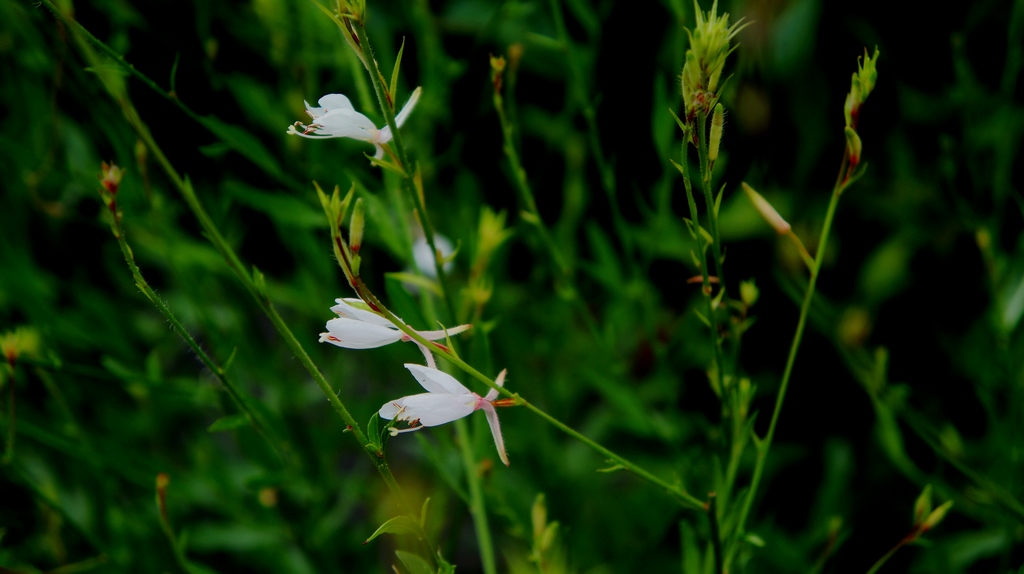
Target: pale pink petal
x,y
407,108
429,409
500,381
492,421
439,334
353,334
437,381
348,308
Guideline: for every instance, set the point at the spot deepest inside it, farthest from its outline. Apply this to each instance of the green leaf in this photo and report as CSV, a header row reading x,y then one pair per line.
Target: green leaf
x,y
280,207
414,563
397,525
244,143
228,423
373,431
394,73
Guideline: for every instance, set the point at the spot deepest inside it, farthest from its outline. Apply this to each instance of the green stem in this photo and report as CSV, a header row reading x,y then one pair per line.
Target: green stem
x,y
764,446
526,197
702,250
403,158
184,187
476,498
705,180
236,395
590,115
885,557
716,535
9,441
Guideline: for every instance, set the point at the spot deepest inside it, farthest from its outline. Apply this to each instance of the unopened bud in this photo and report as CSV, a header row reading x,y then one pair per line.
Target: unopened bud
x,y
716,133
923,505
355,226
852,106
853,146
497,69
936,516
111,177
767,211
749,293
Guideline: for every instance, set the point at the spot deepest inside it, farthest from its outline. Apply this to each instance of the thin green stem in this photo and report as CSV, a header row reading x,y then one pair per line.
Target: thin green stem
x,y
9,439
236,395
476,498
403,158
885,557
705,172
702,250
258,292
716,535
765,445
526,197
590,115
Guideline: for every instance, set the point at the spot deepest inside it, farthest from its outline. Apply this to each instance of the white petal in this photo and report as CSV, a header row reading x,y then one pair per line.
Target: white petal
x,y
407,108
430,409
353,334
379,154
439,334
346,308
437,381
492,421
346,124
335,102
500,381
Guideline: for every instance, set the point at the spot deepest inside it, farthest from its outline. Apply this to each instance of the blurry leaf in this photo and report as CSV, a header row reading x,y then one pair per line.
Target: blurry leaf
x,y
228,423
417,281
690,550
234,537
373,431
280,207
397,525
414,563
605,265
886,271
244,142
402,303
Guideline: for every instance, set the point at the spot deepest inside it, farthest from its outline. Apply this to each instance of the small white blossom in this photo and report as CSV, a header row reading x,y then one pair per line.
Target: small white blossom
x,y
336,118
360,328
445,401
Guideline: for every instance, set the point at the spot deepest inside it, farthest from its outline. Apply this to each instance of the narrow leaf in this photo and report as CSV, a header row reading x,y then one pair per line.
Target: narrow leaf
x,y
414,563
397,525
228,423
394,73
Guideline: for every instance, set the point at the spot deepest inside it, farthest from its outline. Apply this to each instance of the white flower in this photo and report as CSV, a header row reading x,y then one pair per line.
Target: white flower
x,y
359,328
336,118
423,255
447,400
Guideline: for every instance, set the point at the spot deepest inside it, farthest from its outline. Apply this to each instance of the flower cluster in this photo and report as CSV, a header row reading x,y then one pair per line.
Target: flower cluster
x,y
705,60
358,326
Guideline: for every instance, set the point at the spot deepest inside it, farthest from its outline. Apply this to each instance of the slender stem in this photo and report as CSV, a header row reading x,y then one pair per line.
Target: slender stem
x,y
526,197
590,115
885,557
258,292
476,498
403,158
716,535
702,250
236,395
765,445
705,171
9,440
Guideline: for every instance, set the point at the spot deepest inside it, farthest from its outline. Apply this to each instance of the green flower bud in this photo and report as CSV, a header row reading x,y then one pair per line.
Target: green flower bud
x,y
936,516
355,226
780,225
853,146
923,505
705,59
716,133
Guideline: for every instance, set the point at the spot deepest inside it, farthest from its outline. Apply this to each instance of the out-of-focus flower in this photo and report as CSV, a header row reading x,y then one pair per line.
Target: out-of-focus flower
x,y
357,327
445,401
423,256
110,177
336,118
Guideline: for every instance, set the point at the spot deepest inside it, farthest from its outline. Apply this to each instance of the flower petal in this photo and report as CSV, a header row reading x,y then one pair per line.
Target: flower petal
x,y
437,381
332,102
500,381
353,334
347,124
439,334
407,108
349,308
429,409
492,421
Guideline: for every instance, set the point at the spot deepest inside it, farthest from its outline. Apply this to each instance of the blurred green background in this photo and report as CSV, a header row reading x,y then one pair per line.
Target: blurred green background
x,y
912,371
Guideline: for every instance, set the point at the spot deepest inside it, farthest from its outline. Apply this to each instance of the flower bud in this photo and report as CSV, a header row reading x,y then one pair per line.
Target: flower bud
x,y
716,133
923,505
705,59
767,211
936,516
749,292
355,226
853,146
497,69
111,177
